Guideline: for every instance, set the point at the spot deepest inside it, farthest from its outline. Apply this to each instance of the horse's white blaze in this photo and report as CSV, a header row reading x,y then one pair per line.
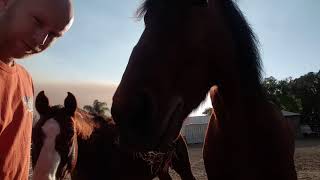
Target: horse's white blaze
x,y
49,158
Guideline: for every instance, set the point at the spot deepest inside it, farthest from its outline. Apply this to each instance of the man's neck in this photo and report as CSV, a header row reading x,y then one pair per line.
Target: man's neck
x,y
9,62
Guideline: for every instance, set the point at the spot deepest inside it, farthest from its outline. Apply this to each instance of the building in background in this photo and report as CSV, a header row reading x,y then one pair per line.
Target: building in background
x,y
194,128
294,120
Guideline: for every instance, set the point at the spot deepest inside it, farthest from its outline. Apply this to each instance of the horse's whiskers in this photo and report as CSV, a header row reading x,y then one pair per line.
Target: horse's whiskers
x,y
155,159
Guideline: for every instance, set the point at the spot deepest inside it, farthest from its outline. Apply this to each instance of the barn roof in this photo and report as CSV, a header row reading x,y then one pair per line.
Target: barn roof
x,y
205,119
287,113
197,120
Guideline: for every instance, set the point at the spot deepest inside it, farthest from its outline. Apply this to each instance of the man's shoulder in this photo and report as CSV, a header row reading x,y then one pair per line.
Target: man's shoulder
x,y
23,72
26,78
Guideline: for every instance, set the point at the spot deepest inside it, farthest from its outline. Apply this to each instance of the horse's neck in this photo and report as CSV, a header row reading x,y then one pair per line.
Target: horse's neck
x,y
48,162
240,107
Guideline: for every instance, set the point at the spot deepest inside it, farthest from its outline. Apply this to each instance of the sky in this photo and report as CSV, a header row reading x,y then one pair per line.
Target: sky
x,y
96,50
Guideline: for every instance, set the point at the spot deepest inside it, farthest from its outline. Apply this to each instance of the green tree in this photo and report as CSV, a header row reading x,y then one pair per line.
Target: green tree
x,y
99,108
281,93
307,89
270,85
298,95
288,99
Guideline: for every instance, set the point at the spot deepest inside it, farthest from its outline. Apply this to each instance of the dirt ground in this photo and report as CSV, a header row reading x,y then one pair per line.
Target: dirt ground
x,y
307,160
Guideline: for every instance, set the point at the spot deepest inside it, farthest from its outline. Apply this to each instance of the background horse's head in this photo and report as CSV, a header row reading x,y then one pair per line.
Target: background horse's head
x,y
187,46
60,121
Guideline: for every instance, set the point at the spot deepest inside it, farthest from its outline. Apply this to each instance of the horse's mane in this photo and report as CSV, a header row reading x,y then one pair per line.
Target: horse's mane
x,y
86,123
247,53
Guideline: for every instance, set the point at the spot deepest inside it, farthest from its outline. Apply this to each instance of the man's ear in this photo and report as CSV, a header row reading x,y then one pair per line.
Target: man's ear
x,y
4,4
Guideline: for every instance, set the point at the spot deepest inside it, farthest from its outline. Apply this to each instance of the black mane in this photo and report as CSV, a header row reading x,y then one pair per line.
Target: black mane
x,y
167,5
248,57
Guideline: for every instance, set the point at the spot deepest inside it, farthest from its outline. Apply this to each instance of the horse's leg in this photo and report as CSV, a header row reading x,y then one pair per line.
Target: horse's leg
x,y
181,162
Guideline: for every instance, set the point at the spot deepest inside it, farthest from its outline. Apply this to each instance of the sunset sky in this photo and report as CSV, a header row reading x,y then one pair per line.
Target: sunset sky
x,y
92,56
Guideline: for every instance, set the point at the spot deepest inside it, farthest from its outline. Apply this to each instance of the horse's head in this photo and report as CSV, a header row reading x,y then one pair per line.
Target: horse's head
x,y
168,72
56,125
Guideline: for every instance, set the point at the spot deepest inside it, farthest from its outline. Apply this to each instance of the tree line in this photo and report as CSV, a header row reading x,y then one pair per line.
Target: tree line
x,y
99,108
300,95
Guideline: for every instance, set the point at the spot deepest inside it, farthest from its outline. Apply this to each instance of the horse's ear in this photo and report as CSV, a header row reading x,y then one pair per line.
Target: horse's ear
x,y
213,3
200,3
70,104
42,103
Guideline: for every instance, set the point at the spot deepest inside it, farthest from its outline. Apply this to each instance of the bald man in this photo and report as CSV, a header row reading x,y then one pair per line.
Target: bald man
x,y
27,27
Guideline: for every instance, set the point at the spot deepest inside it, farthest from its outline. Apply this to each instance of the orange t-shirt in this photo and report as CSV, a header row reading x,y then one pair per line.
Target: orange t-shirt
x,y
16,106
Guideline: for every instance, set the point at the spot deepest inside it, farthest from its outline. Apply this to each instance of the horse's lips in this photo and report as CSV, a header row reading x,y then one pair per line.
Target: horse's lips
x,y
165,141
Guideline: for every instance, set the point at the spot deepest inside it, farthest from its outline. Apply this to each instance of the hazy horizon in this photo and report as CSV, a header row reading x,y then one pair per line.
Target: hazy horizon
x,y
85,93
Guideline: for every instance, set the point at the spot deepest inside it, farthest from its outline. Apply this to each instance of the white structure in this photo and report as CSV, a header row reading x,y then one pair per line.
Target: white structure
x,y
294,120
194,128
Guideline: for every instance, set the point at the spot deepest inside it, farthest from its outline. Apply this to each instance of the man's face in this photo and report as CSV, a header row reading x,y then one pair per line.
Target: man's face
x,y
34,24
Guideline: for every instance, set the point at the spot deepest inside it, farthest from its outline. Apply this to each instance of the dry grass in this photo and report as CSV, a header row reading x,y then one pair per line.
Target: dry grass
x,y
307,159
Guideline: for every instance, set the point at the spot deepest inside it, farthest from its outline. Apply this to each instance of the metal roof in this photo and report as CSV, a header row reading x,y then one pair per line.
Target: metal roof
x,y
205,119
287,113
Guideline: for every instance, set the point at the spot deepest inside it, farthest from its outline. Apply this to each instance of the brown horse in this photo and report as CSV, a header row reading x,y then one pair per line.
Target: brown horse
x,y
85,146
187,47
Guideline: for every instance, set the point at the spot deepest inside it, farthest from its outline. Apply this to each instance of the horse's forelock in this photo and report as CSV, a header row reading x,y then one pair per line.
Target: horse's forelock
x,y
148,5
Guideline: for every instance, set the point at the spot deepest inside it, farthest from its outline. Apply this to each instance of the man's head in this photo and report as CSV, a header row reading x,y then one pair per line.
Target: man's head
x,y
30,26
